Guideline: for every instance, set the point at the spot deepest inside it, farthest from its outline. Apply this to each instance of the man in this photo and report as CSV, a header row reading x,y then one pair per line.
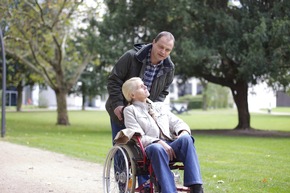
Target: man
x,y
152,63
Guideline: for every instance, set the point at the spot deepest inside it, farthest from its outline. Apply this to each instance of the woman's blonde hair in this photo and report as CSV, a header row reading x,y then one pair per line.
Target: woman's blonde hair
x,y
129,87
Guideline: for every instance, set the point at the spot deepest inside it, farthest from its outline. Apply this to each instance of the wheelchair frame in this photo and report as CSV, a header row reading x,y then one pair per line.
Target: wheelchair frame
x,y
120,175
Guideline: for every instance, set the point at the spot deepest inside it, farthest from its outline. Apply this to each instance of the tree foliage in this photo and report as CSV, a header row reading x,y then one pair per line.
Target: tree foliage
x,y
236,47
91,83
44,36
231,46
17,77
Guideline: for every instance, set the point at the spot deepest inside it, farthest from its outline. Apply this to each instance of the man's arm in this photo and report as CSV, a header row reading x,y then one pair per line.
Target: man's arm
x,y
116,79
165,91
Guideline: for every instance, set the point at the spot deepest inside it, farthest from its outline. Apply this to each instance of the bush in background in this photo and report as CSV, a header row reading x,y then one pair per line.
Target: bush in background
x,y
193,102
42,102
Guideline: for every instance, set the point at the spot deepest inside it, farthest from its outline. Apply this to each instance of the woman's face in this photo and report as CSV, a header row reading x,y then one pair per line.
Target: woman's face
x,y
141,93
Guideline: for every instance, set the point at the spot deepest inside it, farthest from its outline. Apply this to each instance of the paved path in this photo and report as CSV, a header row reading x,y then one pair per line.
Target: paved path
x,y
30,170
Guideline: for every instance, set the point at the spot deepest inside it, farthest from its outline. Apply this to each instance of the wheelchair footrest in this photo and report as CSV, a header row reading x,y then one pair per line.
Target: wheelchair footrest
x,y
183,189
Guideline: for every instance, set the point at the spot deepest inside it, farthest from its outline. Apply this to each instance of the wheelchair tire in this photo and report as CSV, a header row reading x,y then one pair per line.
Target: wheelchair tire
x,y
119,174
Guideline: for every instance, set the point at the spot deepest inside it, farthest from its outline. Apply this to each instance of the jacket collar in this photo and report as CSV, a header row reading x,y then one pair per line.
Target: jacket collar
x,y
141,104
142,52
144,105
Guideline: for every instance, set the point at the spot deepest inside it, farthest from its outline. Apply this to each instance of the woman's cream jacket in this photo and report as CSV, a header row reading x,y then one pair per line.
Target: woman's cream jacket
x,y
161,125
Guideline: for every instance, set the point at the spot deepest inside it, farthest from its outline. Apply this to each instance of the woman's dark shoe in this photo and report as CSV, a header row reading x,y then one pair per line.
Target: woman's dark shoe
x,y
145,190
196,188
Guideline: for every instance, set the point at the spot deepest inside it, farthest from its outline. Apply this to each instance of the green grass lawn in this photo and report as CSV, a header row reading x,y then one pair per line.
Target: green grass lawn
x,y
228,119
230,164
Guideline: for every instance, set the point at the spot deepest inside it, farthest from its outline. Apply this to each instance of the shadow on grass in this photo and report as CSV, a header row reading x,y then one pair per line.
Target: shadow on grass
x,y
248,132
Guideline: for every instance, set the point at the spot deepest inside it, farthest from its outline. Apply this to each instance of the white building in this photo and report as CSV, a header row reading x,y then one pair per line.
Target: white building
x,y
259,96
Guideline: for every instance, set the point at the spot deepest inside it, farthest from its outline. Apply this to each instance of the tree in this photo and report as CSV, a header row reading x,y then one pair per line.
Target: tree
x,y
19,76
278,45
47,32
91,83
129,22
218,96
234,47
231,46
93,79
205,95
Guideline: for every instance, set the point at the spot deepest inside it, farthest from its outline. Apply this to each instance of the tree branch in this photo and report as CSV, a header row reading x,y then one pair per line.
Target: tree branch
x,y
79,70
30,65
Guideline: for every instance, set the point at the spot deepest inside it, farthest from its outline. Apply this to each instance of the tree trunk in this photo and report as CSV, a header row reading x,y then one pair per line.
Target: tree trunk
x,y
204,94
84,102
62,115
19,96
240,95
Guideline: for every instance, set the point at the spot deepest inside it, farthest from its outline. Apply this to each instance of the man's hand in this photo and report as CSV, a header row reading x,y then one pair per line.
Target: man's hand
x,y
168,150
118,112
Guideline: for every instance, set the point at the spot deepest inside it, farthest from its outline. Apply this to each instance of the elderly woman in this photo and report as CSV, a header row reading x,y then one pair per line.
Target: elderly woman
x,y
164,136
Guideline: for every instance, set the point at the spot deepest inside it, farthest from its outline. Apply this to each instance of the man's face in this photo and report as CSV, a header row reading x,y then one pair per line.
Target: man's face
x,y
161,49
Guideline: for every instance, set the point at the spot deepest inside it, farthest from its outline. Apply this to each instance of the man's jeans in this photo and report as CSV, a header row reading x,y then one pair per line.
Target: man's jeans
x,y
115,129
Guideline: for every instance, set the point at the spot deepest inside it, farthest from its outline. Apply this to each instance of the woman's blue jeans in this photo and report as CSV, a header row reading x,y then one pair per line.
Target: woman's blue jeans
x,y
185,152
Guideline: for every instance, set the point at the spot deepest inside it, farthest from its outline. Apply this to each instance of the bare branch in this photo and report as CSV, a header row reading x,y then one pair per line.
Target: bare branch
x,y
42,15
76,4
79,70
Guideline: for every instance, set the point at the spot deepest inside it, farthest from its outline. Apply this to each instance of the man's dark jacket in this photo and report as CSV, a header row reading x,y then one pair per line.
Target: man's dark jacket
x,y
133,64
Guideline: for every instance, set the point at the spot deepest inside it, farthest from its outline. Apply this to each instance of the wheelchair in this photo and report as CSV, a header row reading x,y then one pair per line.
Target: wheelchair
x,y
120,175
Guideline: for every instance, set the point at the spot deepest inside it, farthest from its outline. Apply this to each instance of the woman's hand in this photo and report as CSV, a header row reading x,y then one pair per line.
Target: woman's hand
x,y
170,152
183,133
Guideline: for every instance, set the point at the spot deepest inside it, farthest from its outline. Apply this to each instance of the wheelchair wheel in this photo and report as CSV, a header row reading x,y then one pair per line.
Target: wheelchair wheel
x,y
119,175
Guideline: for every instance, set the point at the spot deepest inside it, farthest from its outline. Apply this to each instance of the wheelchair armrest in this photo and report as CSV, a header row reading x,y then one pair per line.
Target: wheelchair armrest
x,y
137,136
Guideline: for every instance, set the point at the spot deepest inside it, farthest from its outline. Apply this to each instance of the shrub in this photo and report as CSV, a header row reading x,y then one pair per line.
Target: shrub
x,y
42,102
193,102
